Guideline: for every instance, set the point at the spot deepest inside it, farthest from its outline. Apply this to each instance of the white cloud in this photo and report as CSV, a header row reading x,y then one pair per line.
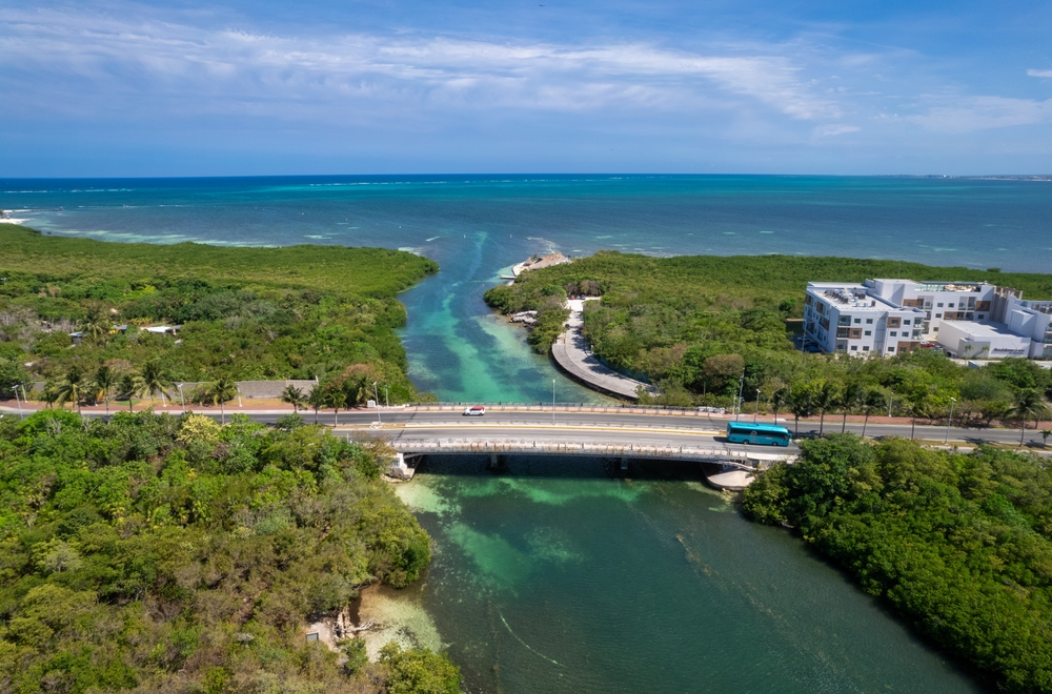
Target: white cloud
x,y
984,113
836,129
1039,73
167,59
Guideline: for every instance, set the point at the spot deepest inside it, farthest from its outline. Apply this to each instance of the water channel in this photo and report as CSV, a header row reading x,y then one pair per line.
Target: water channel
x,y
559,575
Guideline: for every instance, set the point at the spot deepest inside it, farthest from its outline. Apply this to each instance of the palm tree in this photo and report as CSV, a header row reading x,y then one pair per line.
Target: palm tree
x,y
1028,403
126,389
825,398
293,396
800,405
849,398
50,394
917,408
74,387
778,400
104,381
96,326
871,400
219,391
336,397
316,400
153,378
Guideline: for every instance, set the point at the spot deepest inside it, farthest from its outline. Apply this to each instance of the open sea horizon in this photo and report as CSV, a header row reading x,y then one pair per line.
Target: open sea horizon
x,y
478,226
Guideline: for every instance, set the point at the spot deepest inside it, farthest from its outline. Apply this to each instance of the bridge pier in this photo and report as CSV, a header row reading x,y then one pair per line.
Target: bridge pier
x,y
624,463
496,461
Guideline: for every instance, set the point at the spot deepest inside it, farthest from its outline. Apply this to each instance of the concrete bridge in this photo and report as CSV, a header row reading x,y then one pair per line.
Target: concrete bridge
x,y
736,465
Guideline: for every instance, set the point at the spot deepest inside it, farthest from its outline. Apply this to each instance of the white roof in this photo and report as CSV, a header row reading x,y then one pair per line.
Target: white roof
x,y
980,329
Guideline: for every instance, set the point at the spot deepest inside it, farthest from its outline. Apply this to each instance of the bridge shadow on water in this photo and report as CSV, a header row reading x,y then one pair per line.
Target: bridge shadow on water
x,y
564,467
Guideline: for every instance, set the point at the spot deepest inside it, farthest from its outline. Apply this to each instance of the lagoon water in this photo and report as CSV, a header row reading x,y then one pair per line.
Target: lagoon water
x,y
555,576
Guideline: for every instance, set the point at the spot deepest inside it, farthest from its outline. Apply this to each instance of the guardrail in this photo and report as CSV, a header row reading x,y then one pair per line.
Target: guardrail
x,y
732,458
568,407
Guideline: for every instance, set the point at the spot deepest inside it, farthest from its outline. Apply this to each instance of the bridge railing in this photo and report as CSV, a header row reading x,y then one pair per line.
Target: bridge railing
x,y
723,456
570,407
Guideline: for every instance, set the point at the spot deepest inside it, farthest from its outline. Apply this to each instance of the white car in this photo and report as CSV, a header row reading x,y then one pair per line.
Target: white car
x,y
475,411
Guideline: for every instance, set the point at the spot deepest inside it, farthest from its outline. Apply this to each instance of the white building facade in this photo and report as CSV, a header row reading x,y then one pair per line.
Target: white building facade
x,y
972,320
848,318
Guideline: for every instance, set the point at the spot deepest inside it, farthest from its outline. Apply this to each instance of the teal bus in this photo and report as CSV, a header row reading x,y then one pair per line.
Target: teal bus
x,y
765,434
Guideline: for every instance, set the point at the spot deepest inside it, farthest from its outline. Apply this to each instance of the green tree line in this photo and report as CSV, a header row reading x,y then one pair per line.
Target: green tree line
x,y
959,545
172,554
302,312
706,329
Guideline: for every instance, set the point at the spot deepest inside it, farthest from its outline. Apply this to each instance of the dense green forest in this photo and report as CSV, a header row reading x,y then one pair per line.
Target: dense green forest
x,y
246,313
959,545
704,328
164,554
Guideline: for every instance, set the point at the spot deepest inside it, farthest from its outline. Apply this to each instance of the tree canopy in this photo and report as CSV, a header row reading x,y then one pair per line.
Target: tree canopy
x,y
960,545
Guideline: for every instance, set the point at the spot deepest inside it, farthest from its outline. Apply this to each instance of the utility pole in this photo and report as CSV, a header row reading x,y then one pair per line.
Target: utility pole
x,y
181,400
387,400
757,412
891,399
376,394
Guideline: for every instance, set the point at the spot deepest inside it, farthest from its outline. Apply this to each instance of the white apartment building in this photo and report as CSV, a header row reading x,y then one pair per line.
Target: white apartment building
x,y
957,301
849,318
974,320
1034,319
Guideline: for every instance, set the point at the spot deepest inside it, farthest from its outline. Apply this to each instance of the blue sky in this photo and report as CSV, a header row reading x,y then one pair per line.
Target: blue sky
x,y
383,86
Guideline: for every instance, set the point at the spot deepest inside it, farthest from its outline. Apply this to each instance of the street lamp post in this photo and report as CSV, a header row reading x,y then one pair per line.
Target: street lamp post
x,y
553,402
376,394
19,402
741,386
949,421
387,400
182,401
757,412
239,395
891,399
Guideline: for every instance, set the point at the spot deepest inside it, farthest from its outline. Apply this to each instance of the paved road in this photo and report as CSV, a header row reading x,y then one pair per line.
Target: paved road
x,y
713,425
613,425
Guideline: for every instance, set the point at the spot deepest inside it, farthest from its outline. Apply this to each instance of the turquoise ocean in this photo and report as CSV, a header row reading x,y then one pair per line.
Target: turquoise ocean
x,y
563,576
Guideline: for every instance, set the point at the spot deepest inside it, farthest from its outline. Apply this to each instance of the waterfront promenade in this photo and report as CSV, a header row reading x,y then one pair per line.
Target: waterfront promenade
x,y
571,353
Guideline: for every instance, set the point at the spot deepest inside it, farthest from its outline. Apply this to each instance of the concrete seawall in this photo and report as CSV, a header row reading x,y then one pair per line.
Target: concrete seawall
x,y
572,355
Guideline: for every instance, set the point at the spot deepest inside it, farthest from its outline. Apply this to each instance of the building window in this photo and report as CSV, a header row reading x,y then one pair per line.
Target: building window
x,y
865,348
981,316
854,348
869,332
869,321
949,305
894,333
906,322
940,305
857,321
935,330
938,315
891,349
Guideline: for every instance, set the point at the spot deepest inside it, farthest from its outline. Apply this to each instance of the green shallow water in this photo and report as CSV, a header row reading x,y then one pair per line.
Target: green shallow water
x,y
555,576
